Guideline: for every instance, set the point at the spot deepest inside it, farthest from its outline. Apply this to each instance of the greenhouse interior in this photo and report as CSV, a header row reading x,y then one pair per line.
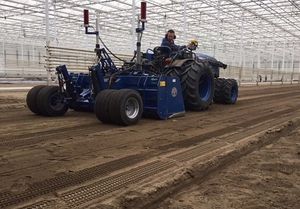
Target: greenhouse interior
x,y
254,38
150,104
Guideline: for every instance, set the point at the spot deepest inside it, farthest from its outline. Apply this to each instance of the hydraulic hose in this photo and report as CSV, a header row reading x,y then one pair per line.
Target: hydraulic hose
x,y
114,55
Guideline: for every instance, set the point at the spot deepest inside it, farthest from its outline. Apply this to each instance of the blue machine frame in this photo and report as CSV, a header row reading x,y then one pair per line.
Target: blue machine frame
x,y
161,95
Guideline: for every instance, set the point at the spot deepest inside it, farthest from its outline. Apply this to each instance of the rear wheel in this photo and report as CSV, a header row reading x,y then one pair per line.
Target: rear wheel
x,y
51,102
226,91
31,99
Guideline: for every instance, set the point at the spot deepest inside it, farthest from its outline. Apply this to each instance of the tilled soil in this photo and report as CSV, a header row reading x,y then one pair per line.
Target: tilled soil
x,y
267,178
74,160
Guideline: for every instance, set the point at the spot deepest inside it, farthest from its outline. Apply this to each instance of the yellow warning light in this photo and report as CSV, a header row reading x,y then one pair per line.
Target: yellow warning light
x,y
162,83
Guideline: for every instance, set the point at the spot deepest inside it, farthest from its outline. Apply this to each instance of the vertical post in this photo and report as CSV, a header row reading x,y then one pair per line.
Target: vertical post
x,y
252,57
278,68
138,47
272,59
258,56
283,60
133,25
4,57
272,66
265,67
252,65
47,41
184,22
33,54
216,48
55,24
97,29
22,57
139,30
28,57
299,71
293,56
241,50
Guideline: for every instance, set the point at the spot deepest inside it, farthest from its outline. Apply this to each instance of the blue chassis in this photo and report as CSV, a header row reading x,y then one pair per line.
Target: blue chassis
x,y
161,95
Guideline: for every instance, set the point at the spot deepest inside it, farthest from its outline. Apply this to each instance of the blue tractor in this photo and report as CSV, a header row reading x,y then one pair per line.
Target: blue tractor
x,y
199,73
147,87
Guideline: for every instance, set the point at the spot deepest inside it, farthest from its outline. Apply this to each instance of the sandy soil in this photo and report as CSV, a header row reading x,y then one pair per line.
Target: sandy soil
x,y
42,159
267,178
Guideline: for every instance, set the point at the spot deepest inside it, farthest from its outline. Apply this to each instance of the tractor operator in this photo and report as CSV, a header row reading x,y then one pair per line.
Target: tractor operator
x,y
168,41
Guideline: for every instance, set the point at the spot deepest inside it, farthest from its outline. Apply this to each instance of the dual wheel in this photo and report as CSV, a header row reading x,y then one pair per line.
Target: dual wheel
x,y
226,91
122,107
46,100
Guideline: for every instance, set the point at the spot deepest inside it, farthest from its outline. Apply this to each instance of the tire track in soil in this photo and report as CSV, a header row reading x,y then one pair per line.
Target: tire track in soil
x,y
187,117
51,185
151,147
249,91
62,132
257,93
97,190
166,146
199,174
32,138
194,140
205,135
252,91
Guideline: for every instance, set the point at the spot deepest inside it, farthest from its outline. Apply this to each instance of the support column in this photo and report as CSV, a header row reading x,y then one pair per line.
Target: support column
x,y
299,71
241,63
55,24
22,57
272,59
4,57
133,26
252,58
293,57
283,60
216,45
47,41
184,23
258,56
33,54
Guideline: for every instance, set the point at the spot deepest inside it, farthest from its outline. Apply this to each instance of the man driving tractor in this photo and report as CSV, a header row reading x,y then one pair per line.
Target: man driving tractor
x,y
169,38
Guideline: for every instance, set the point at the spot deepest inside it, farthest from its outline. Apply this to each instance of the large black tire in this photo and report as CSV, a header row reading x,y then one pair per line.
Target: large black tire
x,y
31,99
51,102
179,71
126,107
102,104
226,91
218,95
197,83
